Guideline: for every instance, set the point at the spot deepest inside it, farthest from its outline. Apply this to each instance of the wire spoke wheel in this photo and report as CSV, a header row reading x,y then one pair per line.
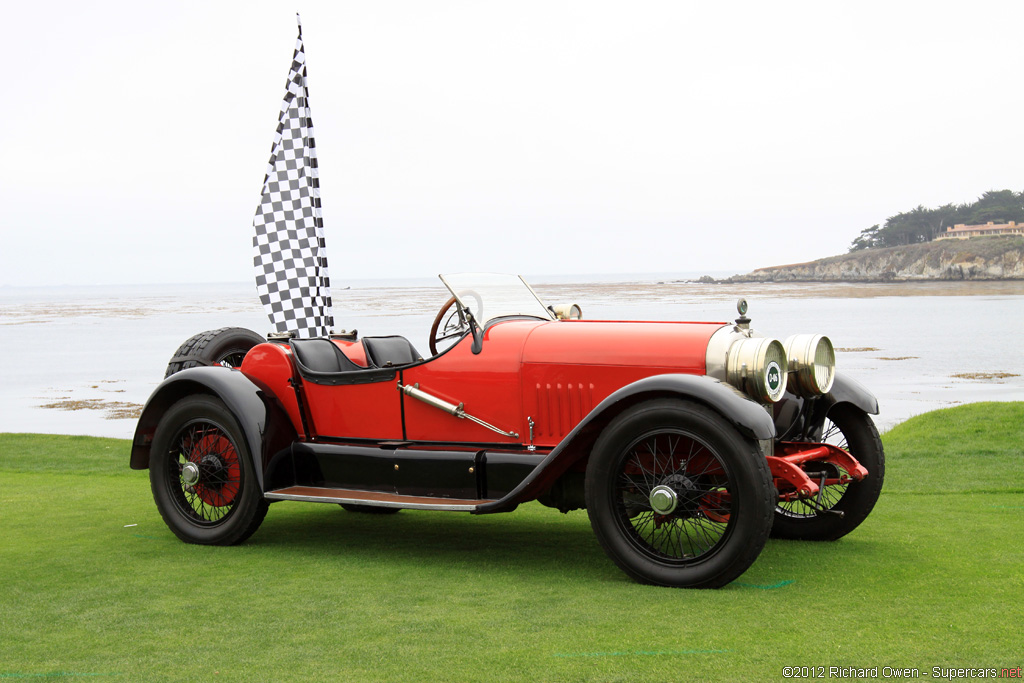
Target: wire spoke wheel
x,y
233,359
831,493
673,497
205,474
201,473
677,496
840,507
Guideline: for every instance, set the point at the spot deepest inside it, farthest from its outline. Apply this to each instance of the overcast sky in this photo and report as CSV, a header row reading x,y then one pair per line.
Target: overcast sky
x,y
532,137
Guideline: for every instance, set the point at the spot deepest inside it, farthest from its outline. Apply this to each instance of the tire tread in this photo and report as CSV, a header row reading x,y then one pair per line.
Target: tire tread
x,y
197,345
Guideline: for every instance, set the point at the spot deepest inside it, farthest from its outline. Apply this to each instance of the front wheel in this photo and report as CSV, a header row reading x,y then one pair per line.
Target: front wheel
x,y
677,496
843,506
202,476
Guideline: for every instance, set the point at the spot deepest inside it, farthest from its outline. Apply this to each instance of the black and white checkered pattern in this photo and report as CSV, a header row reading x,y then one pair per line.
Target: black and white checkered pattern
x,y
290,251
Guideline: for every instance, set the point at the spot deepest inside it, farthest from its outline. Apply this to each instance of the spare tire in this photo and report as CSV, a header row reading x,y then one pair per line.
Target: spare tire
x,y
226,346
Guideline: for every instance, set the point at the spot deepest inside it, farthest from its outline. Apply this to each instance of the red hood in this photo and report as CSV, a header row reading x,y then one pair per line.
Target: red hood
x,y
681,345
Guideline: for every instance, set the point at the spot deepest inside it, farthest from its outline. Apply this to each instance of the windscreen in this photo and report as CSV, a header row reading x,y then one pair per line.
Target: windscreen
x,y
495,295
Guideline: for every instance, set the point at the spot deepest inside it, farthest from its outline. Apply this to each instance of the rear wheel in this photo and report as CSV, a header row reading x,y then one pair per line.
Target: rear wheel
x,y
226,346
202,475
677,496
843,506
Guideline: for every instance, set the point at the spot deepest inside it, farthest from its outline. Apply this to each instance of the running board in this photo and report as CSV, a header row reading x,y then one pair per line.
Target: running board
x,y
313,494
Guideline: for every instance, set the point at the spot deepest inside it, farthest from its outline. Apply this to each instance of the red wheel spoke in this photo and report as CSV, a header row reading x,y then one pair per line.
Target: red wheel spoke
x,y
211,498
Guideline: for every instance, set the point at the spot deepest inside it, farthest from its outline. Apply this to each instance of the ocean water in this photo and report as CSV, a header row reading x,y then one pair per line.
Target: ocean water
x,y
82,360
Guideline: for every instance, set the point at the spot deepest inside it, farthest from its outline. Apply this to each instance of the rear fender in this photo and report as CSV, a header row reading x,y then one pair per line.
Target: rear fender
x,y
749,417
264,423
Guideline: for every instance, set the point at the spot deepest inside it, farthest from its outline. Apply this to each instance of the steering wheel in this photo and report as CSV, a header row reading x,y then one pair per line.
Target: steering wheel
x,y
450,322
454,325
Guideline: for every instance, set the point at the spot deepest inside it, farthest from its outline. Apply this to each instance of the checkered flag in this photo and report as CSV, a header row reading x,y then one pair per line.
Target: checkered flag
x,y
290,251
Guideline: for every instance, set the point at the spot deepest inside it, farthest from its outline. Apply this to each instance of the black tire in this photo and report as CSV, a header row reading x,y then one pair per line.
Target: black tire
x,y
368,509
224,506
851,429
721,489
226,346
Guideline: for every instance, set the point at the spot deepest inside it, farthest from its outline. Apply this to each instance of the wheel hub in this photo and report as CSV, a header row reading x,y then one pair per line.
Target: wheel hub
x,y
215,470
190,474
663,500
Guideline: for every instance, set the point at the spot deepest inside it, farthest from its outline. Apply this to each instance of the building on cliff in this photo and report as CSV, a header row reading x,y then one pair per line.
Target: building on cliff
x,y
963,232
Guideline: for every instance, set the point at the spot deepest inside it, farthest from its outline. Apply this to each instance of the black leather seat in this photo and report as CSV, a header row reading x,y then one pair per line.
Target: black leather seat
x,y
321,355
387,352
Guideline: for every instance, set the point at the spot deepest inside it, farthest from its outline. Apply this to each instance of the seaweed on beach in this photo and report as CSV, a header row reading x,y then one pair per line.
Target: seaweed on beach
x,y
115,410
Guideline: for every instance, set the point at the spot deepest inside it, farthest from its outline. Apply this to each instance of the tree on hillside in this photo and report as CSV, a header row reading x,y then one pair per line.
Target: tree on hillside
x,y
998,206
868,238
923,225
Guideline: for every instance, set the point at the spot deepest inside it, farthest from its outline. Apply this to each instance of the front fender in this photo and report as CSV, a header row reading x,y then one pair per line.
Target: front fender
x,y
749,417
795,416
264,423
848,390
745,414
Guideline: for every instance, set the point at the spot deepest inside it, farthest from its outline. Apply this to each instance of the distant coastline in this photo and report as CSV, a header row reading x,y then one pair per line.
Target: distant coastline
x,y
982,258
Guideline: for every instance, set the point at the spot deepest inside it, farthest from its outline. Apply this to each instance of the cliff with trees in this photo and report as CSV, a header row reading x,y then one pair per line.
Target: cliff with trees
x,y
923,225
904,248
981,258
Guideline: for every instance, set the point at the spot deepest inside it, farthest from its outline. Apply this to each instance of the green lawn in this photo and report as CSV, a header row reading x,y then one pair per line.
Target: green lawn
x,y
94,586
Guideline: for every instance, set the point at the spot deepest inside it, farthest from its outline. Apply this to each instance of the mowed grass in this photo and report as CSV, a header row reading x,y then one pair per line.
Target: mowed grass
x,y
94,586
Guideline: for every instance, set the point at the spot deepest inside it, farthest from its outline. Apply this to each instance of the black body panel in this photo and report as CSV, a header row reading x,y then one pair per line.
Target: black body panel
x,y
505,470
444,474
364,468
404,470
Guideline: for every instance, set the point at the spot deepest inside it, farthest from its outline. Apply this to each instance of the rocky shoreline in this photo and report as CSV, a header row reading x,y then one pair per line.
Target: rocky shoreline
x,y
981,258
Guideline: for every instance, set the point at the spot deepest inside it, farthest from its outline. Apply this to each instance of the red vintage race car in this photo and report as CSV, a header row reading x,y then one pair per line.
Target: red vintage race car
x,y
687,443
